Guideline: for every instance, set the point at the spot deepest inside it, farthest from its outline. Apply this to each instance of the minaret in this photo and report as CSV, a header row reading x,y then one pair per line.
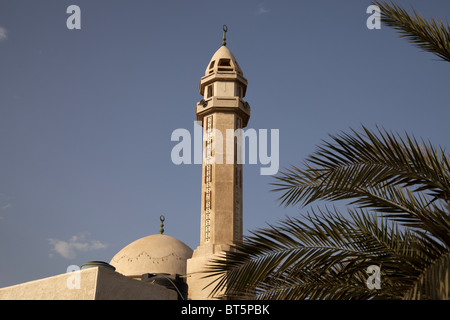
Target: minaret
x,y
222,113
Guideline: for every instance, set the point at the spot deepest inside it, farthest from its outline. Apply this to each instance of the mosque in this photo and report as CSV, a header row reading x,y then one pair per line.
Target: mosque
x,y
161,267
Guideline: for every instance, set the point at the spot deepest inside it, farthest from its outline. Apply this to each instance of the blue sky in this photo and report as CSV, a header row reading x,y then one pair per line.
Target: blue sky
x,y
86,116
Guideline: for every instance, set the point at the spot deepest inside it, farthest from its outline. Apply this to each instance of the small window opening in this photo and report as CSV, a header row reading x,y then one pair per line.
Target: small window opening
x,y
212,64
240,95
210,91
224,63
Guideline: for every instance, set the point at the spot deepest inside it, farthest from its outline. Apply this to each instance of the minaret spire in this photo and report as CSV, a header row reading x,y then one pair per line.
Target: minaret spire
x,y
161,229
224,38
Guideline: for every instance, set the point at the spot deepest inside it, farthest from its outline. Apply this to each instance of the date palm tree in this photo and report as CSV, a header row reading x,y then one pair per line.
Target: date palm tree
x,y
397,218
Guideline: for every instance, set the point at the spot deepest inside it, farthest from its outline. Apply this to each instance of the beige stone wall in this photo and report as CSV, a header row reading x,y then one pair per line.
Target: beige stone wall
x,y
199,287
53,288
114,286
95,284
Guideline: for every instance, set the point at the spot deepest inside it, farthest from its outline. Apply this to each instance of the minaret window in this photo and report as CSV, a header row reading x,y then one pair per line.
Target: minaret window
x,y
211,66
210,91
225,65
239,91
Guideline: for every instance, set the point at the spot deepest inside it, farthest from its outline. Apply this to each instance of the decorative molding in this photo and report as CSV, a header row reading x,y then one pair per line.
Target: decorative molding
x,y
208,177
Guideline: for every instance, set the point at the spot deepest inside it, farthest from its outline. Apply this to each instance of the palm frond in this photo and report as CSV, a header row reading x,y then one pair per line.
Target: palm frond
x,y
355,160
434,281
408,181
431,36
319,257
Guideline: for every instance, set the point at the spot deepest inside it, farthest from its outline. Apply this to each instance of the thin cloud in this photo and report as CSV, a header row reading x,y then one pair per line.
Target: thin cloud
x,y
261,10
3,34
70,249
5,204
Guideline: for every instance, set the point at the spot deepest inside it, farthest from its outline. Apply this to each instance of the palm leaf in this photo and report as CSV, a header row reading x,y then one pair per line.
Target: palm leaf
x,y
364,160
407,181
431,36
319,257
433,283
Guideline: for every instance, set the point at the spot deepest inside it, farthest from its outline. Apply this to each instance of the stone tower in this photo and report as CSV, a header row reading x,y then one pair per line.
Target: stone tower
x,y
222,113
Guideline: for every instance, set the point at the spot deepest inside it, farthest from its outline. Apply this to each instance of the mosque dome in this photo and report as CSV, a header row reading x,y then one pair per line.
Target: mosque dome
x,y
222,61
157,253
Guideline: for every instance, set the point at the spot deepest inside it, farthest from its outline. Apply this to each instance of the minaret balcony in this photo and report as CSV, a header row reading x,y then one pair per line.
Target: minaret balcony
x,y
223,104
231,76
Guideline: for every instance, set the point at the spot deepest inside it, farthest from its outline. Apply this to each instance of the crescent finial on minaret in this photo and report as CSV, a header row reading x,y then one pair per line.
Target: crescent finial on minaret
x,y
224,39
161,229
